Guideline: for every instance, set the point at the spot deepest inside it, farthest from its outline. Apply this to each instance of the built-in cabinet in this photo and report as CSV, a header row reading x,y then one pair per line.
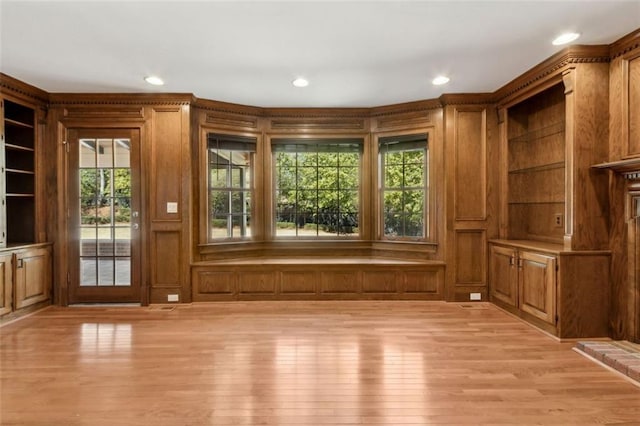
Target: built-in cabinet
x,y
525,280
553,209
25,257
25,277
562,292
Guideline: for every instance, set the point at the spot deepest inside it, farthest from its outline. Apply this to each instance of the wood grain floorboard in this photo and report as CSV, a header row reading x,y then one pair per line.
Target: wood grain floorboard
x,y
299,363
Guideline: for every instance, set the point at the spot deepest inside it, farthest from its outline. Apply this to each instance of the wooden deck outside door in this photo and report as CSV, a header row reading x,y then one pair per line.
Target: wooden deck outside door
x,y
104,215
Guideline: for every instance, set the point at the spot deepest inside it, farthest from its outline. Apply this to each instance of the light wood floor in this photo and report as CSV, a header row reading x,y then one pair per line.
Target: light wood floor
x,y
300,363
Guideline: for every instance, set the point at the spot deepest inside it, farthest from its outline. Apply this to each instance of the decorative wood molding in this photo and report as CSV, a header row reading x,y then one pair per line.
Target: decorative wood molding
x,y
228,108
335,114
22,90
318,124
556,63
569,81
405,108
88,99
232,121
467,99
625,45
109,111
414,119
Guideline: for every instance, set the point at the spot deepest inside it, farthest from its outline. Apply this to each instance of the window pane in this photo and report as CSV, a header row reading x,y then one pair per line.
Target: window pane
x,y
393,176
404,190
218,177
239,202
349,159
105,152
87,153
328,159
318,195
122,182
414,157
414,175
122,153
414,225
393,201
327,178
230,164
219,227
348,178
219,202
306,159
413,202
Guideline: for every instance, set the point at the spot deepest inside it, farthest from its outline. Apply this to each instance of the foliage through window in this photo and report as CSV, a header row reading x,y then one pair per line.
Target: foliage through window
x,y
230,170
317,187
404,186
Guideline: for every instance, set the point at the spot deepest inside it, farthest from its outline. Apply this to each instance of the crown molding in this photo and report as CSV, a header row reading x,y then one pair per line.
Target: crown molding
x,y
467,98
404,108
553,66
625,45
228,108
66,99
20,89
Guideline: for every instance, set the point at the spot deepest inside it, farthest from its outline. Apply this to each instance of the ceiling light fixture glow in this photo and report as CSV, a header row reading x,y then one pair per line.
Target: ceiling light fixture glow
x,y
440,80
300,82
565,38
154,80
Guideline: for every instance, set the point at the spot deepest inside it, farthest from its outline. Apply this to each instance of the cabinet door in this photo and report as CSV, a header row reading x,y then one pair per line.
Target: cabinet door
x,y
6,284
32,276
503,275
537,285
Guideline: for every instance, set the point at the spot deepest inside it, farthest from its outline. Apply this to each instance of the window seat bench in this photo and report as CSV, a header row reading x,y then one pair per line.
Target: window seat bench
x,y
317,278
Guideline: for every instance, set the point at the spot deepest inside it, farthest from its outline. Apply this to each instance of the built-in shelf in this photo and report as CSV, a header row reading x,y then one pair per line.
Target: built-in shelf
x,y
629,168
532,135
10,146
17,123
541,168
25,172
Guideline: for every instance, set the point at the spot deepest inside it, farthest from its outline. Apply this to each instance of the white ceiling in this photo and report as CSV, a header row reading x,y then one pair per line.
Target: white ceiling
x,y
356,54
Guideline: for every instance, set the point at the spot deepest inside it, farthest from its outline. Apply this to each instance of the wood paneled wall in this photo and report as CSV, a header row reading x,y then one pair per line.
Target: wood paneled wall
x,y
471,145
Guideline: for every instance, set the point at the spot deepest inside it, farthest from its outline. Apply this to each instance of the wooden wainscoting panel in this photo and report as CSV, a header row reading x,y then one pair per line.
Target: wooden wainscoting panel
x,y
471,257
380,281
221,282
166,163
298,282
425,282
166,259
634,105
255,282
6,284
340,282
470,164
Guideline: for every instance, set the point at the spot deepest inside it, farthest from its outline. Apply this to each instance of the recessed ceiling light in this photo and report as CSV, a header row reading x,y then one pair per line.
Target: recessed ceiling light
x,y
565,38
300,82
154,80
440,80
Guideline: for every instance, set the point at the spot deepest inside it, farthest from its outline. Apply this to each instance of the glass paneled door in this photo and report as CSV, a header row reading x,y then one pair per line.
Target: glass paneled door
x,y
104,216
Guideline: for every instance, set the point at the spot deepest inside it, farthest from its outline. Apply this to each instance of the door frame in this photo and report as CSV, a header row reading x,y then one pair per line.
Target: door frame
x,y
62,254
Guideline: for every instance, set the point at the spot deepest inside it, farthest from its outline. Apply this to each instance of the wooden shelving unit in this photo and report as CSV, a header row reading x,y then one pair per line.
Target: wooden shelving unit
x,y
19,173
550,265
536,167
